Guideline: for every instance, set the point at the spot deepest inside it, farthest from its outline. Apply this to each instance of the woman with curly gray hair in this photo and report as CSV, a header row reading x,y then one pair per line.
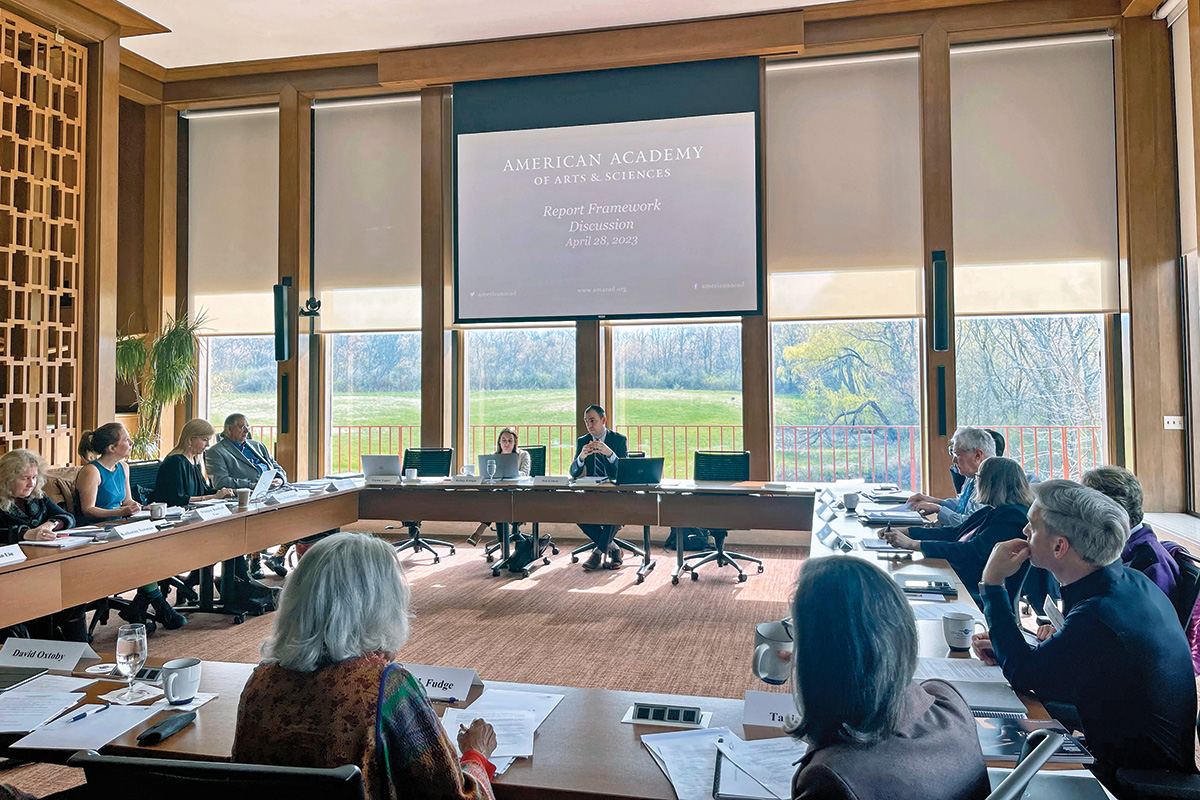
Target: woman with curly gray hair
x,y
27,515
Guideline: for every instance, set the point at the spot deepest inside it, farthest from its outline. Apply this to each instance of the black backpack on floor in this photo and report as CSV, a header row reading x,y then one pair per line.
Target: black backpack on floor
x,y
693,539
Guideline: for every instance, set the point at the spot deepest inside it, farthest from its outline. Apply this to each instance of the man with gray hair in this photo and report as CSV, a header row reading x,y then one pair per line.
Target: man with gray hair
x,y
969,446
1121,658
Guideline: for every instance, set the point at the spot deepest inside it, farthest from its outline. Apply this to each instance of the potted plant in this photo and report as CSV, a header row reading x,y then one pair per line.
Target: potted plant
x,y
161,366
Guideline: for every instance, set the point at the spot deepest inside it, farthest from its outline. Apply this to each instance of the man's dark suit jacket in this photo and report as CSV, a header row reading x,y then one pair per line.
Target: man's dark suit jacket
x,y
596,465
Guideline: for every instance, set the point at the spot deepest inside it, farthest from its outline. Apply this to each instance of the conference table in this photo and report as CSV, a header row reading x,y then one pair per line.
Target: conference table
x,y
582,749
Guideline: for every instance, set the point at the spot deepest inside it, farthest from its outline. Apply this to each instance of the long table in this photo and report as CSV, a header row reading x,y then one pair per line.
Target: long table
x,y
582,750
51,580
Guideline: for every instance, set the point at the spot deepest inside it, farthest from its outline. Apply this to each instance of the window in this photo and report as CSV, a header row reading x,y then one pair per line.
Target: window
x,y
522,378
239,376
848,401
1035,237
374,396
844,256
678,388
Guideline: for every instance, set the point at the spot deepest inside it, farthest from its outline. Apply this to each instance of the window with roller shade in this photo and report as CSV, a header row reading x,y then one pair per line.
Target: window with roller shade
x,y
522,378
844,257
367,268
233,239
1033,133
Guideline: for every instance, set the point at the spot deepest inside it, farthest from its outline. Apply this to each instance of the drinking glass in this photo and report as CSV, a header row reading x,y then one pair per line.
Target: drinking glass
x,y
491,469
131,653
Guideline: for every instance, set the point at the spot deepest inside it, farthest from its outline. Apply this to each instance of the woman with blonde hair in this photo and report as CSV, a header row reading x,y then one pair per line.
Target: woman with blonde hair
x,y
181,478
28,515
506,443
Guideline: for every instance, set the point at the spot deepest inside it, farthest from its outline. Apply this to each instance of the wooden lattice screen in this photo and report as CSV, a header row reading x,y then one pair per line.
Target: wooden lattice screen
x,y
41,205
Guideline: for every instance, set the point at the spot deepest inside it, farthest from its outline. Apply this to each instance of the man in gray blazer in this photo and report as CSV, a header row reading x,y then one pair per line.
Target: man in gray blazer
x,y
236,460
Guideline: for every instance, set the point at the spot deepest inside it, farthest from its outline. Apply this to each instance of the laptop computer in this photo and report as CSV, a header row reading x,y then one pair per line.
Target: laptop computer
x,y
263,487
639,471
380,466
507,465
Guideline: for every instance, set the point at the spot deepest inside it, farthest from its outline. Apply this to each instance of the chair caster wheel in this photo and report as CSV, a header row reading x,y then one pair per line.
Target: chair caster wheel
x,y
574,559
545,562
554,550
695,576
238,619
495,572
490,558
674,580
742,578
524,573
437,560
641,578
760,569
451,551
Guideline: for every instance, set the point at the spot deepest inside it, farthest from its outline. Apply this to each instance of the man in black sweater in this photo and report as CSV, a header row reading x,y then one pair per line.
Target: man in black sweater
x,y
596,454
1121,657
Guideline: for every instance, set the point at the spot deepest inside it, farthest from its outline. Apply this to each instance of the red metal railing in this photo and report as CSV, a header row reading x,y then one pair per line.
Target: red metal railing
x,y
879,453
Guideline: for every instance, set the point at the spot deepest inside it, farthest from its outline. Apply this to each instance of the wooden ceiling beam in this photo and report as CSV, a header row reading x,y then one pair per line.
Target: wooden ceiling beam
x,y
1139,8
257,87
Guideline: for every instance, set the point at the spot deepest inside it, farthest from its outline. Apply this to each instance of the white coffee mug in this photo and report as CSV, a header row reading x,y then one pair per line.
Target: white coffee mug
x,y
772,651
410,474
158,511
468,469
958,627
181,680
850,501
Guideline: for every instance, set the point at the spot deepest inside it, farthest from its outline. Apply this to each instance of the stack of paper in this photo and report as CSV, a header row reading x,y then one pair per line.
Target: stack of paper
x,y
90,733
54,683
24,711
957,669
936,610
770,763
515,715
63,542
689,759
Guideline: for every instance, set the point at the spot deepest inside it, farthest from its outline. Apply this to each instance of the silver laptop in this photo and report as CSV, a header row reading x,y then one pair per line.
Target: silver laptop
x,y
380,466
263,487
507,465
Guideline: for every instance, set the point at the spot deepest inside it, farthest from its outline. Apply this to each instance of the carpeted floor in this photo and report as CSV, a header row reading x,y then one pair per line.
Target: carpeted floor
x,y
559,626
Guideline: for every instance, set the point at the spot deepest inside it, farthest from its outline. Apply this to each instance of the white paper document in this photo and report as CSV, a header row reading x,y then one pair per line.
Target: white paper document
x,y
22,712
500,700
55,683
689,759
64,542
957,669
769,762
92,732
514,729
936,610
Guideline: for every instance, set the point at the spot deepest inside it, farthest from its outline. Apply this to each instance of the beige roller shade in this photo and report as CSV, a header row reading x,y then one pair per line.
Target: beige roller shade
x,y
843,188
233,218
1034,162
367,214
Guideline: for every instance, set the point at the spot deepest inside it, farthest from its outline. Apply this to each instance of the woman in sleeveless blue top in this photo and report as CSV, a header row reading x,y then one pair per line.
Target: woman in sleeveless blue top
x,y
104,494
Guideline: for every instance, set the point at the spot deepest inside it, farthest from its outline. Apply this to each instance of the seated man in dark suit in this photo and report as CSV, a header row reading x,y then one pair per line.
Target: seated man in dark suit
x,y
1121,657
596,454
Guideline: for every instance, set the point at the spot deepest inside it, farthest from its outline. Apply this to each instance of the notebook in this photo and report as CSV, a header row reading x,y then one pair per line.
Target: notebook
x,y
1002,739
990,698
730,782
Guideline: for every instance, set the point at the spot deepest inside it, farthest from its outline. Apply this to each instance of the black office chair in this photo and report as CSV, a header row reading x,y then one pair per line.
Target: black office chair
x,y
537,467
621,543
1038,748
1187,588
429,462
112,776
719,465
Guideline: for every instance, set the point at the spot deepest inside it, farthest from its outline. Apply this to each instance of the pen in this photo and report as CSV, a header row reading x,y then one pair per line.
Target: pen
x,y
83,714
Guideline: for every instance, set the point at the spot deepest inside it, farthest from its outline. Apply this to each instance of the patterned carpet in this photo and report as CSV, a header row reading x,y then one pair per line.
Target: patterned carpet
x,y
559,626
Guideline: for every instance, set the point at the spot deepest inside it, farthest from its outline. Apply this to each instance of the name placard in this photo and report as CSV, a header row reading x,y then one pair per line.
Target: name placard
x,y
212,512
289,496
132,529
44,653
467,480
552,480
383,480
767,708
341,484
444,683
12,554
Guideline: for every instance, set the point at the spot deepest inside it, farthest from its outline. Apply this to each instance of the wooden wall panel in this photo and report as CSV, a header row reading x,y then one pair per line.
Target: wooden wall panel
x,y
42,145
590,373
436,254
132,312
1147,200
